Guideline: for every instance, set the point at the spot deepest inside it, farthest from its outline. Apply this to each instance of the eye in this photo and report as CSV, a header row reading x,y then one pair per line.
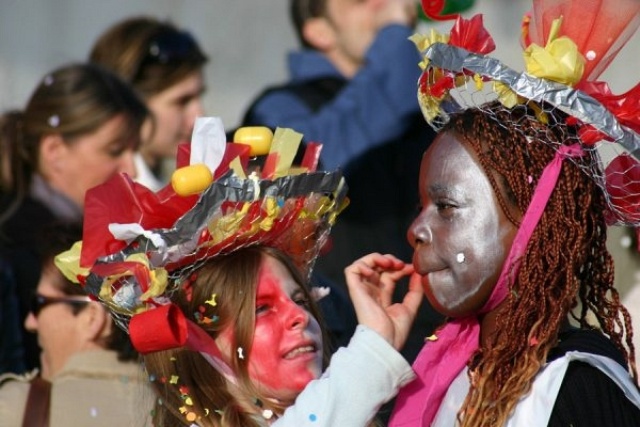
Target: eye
x,y
261,309
442,206
185,100
301,301
117,151
446,208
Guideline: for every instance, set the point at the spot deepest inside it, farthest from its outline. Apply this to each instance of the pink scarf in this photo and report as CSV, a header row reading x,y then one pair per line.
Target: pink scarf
x,y
440,361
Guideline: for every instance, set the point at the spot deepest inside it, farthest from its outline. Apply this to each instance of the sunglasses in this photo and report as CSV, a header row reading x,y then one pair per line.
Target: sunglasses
x,y
38,302
174,46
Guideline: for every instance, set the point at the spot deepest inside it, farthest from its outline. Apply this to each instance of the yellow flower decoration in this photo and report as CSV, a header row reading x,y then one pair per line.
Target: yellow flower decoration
x,y
506,96
559,61
430,106
270,206
68,262
158,281
477,79
228,225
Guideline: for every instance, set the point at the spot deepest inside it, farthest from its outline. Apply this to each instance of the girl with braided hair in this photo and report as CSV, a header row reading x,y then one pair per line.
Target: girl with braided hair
x,y
476,184
511,236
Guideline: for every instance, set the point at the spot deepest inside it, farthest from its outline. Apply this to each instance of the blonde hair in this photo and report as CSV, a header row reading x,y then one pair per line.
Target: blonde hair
x,y
215,400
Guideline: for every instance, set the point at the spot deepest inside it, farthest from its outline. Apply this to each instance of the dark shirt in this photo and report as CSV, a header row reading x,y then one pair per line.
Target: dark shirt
x,y
587,396
20,242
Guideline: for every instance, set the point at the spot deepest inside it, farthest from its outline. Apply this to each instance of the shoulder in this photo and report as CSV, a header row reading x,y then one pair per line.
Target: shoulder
x,y
586,341
113,392
310,94
23,227
590,395
14,390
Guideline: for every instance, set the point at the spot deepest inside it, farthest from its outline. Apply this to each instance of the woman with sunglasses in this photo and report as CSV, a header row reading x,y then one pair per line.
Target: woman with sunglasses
x,y
89,371
164,64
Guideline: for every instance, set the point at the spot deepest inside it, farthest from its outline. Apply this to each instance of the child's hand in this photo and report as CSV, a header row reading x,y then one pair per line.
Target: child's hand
x,y
371,281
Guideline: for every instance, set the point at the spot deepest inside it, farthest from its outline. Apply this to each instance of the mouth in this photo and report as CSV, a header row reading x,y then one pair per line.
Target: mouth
x,y
436,273
425,271
299,351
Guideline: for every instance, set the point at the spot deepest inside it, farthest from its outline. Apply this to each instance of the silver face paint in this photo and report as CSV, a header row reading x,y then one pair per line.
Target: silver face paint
x,y
469,235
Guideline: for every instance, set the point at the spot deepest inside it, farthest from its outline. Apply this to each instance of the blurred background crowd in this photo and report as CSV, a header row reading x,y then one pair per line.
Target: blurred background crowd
x,y
231,52
245,40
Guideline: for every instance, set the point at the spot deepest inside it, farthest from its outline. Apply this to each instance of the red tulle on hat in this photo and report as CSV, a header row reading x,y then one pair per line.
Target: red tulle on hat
x,y
600,28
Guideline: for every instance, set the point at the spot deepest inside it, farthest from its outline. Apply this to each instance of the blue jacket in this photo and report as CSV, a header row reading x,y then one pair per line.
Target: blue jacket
x,y
374,107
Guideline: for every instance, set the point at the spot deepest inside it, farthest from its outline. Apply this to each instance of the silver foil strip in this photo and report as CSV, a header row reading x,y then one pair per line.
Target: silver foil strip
x,y
572,101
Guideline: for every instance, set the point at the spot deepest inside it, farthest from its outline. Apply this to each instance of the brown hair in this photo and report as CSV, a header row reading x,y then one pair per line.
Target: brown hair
x,y
151,55
73,100
566,270
217,402
303,10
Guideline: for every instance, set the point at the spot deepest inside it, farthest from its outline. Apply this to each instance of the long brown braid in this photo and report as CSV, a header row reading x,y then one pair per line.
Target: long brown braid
x,y
566,271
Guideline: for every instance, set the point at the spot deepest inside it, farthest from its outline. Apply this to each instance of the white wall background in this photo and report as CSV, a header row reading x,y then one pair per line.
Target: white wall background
x,y
246,41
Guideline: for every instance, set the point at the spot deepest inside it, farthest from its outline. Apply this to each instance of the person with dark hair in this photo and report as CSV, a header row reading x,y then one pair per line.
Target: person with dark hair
x,y
164,64
511,236
80,126
90,374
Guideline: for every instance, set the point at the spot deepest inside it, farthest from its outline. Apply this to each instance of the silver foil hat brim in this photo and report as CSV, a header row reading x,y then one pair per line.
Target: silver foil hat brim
x,y
570,100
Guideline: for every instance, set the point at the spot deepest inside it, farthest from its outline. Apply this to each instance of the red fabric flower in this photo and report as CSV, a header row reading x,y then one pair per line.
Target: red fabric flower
x,y
626,106
438,88
471,35
588,134
123,201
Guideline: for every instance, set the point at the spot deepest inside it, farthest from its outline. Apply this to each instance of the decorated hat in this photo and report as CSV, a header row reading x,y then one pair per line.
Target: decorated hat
x,y
140,247
567,45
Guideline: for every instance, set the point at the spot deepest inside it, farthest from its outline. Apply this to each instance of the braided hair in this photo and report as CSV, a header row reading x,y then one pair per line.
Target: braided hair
x,y
566,272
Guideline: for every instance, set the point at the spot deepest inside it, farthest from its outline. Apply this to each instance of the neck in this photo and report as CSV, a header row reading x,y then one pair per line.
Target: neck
x,y
345,65
49,194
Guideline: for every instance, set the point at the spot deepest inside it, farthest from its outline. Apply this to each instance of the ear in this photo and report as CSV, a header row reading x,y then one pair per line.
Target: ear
x,y
319,33
52,154
95,322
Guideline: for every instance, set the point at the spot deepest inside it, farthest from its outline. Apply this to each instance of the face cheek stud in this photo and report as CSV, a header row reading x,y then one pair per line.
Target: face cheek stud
x,y
460,258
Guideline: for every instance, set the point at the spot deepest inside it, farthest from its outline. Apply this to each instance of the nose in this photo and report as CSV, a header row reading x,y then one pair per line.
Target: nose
x,y
296,317
127,164
419,232
31,322
194,111
198,108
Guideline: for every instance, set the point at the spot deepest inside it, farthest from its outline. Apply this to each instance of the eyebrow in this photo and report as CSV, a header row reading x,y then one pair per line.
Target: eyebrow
x,y
444,190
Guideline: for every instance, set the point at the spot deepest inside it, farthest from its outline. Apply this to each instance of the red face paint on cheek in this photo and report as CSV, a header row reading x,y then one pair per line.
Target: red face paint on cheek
x,y
287,347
